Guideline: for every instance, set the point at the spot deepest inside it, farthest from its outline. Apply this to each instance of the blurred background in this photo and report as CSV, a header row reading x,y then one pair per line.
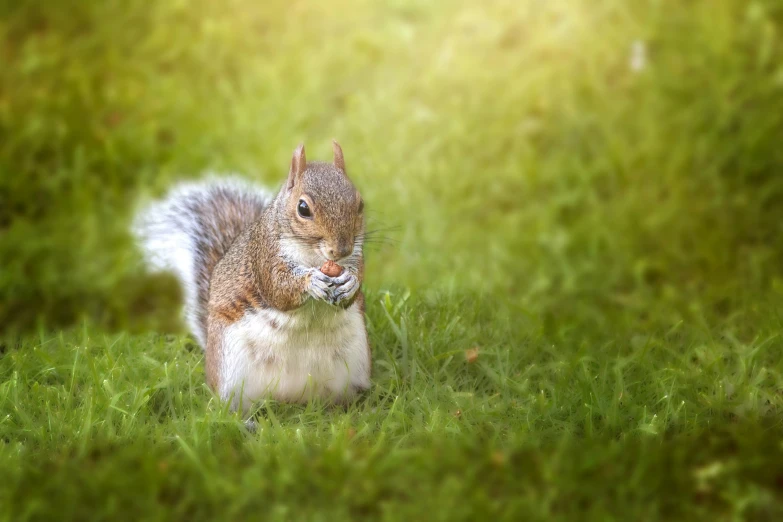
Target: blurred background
x,y
609,163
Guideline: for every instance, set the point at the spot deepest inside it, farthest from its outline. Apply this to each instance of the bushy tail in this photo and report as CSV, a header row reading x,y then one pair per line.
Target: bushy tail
x,y
191,229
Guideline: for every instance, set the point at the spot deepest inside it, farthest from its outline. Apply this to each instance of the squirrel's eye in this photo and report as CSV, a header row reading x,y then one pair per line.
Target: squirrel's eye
x,y
304,209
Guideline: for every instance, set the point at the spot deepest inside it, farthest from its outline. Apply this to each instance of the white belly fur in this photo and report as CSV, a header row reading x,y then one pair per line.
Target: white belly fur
x,y
317,350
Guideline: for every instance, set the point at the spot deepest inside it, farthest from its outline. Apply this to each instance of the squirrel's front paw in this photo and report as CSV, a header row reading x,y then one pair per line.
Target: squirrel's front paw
x,y
320,286
345,288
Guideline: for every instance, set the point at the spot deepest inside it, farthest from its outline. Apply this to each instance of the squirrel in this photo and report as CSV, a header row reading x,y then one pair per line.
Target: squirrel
x,y
271,324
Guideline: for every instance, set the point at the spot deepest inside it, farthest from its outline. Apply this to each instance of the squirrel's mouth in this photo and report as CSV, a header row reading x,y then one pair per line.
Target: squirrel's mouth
x,y
325,254
315,253
343,260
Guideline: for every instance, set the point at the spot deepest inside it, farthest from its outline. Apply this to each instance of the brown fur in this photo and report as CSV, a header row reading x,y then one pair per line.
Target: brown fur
x,y
231,220
214,349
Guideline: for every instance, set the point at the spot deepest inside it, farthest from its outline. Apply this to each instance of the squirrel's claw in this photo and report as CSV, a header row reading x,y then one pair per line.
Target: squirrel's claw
x,y
338,290
342,278
346,288
320,286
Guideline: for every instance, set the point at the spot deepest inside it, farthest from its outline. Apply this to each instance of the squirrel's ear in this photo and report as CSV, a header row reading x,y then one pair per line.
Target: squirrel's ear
x,y
298,165
339,161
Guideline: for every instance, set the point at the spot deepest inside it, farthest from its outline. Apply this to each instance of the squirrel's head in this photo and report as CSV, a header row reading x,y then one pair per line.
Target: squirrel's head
x,y
324,213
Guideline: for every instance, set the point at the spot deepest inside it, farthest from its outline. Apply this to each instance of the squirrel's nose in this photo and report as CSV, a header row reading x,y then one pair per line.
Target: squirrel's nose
x,y
340,251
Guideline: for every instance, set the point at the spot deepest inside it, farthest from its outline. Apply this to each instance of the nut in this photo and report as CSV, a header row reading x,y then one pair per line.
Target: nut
x,y
331,269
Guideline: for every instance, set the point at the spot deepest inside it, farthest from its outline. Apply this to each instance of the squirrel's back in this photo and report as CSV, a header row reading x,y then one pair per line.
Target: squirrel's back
x,y
191,229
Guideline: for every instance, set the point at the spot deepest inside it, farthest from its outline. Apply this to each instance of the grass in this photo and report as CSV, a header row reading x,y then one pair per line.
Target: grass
x,y
609,237
674,425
